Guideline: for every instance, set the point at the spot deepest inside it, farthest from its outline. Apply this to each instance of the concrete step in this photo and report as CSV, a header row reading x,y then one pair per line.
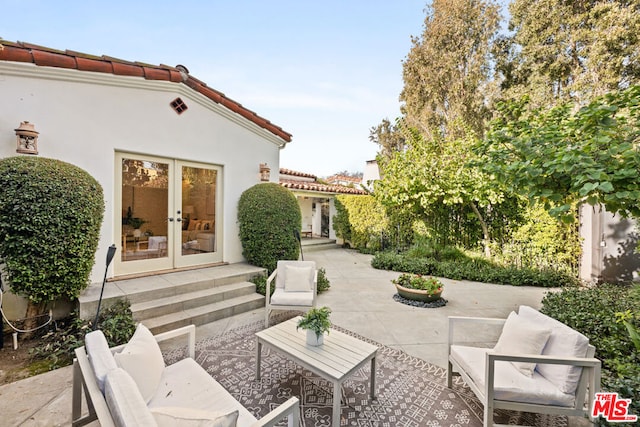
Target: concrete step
x,y
320,246
205,313
188,300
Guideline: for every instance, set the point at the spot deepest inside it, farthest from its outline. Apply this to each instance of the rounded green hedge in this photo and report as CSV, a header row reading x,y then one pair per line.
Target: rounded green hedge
x,y
268,216
50,218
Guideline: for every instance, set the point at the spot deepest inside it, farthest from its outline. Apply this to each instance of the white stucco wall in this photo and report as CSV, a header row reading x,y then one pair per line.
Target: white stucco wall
x,y
84,118
608,246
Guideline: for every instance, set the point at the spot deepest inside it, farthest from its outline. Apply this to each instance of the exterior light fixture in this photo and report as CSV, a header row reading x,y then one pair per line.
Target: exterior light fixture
x,y
27,138
265,172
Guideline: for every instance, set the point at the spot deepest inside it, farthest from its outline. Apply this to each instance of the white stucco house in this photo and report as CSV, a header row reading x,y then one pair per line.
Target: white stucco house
x,y
172,154
316,200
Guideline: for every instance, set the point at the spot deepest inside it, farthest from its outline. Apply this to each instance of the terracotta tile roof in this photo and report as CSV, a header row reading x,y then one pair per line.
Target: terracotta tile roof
x,y
47,57
290,172
316,186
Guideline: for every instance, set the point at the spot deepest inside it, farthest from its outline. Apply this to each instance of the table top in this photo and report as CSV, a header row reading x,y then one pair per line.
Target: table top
x,y
337,358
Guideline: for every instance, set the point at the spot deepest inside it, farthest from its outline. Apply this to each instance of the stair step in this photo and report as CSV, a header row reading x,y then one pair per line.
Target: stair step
x,y
205,313
188,300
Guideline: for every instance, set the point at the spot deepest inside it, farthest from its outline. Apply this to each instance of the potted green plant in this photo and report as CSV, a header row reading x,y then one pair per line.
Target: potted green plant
x,y
136,223
417,287
316,322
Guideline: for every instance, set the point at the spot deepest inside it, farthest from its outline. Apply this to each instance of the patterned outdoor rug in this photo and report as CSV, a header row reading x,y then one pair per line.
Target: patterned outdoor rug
x,y
409,391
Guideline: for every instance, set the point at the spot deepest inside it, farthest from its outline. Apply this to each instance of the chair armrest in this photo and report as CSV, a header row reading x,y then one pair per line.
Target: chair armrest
x,y
268,286
588,362
290,409
189,330
454,320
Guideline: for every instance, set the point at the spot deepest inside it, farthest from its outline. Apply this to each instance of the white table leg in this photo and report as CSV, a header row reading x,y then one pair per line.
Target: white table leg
x,y
337,395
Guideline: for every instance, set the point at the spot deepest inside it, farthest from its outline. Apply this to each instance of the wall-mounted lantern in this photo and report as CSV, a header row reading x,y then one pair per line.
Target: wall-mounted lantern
x,y
265,172
27,138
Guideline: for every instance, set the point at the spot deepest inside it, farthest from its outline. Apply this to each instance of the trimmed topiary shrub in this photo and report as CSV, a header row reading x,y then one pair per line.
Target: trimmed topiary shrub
x,y
50,218
268,215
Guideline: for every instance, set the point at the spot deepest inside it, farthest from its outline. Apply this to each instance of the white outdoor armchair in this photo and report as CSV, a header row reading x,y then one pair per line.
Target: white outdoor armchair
x,y
538,365
296,285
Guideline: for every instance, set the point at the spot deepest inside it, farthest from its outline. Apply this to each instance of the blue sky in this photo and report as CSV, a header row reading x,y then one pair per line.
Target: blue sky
x,y
325,71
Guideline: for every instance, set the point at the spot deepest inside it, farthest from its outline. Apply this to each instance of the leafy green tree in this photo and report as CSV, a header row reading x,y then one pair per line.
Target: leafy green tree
x,y
561,157
50,218
268,216
434,172
388,137
563,51
447,71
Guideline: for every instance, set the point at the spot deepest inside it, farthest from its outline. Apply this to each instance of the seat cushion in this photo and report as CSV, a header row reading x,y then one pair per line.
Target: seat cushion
x,y
522,336
281,297
142,359
509,383
186,417
186,384
126,404
100,356
563,342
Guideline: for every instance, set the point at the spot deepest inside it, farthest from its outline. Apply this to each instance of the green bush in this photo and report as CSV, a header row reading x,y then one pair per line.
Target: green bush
x,y
57,347
361,221
323,282
50,218
592,312
268,216
478,269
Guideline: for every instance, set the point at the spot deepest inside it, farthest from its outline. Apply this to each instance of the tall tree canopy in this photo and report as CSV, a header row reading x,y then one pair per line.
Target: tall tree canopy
x,y
569,50
562,157
447,71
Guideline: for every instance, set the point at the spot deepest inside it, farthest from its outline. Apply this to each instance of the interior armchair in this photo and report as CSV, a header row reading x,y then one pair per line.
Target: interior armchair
x,y
296,284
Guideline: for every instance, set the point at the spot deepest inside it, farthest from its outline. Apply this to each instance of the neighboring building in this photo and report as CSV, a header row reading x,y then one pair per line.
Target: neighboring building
x,y
345,180
371,174
316,200
172,154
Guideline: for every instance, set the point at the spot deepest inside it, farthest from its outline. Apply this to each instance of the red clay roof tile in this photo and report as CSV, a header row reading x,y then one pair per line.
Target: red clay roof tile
x,y
47,57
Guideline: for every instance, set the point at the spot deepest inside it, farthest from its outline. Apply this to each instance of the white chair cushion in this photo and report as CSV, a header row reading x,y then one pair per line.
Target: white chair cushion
x,y
298,279
281,297
142,359
126,404
281,268
186,384
186,417
100,356
509,383
564,342
521,336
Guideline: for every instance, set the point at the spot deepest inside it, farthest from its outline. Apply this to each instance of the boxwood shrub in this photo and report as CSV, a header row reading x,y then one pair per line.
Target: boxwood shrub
x,y
268,216
592,312
471,268
50,218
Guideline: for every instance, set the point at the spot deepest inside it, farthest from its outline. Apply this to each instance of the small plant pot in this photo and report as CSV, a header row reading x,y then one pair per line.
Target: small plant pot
x,y
313,339
417,295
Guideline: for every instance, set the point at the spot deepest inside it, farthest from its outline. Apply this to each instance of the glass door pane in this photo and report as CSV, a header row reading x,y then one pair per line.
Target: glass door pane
x,y
144,205
200,231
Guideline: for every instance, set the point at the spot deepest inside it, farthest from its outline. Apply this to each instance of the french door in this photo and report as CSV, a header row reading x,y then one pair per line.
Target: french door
x,y
167,213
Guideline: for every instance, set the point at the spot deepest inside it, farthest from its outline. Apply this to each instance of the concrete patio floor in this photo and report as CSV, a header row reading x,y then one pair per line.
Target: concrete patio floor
x,y
361,300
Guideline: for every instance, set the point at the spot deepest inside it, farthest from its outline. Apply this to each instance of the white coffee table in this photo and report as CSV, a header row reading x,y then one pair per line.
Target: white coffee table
x,y
335,360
